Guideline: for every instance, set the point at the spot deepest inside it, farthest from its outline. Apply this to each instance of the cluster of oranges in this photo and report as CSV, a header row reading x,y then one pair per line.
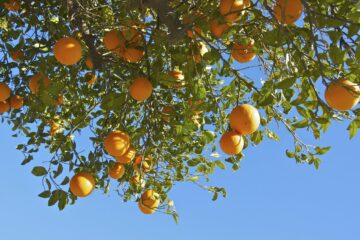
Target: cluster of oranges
x,y
244,120
7,101
117,144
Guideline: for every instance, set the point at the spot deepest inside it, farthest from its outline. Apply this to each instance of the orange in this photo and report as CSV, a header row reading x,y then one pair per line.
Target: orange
x,y
127,157
243,53
179,79
140,89
149,202
231,143
112,40
217,29
4,91
288,11
68,51
12,5
146,164
38,80
16,102
4,107
90,78
232,9
82,184
89,63
16,55
132,55
245,119
117,171
199,52
117,143
342,95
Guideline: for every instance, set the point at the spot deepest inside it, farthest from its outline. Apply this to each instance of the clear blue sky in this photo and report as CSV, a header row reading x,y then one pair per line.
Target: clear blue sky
x,y
270,197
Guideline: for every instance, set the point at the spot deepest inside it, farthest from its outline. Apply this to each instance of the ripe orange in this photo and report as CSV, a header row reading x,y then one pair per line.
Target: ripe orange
x,y
342,95
127,157
12,5
231,143
4,107
38,80
16,102
245,119
243,53
140,89
132,55
90,78
68,51
113,40
117,171
288,11
117,143
232,9
16,55
217,29
199,52
4,91
82,184
89,63
149,202
179,79
136,180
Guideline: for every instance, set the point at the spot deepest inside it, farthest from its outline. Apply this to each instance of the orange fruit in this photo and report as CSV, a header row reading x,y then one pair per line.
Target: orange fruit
x,y
4,91
245,119
4,107
231,143
217,29
342,95
149,202
12,5
16,102
232,9
82,184
90,78
38,80
117,143
113,40
243,53
140,89
16,55
132,55
288,11
89,63
199,52
117,171
127,157
179,79
68,51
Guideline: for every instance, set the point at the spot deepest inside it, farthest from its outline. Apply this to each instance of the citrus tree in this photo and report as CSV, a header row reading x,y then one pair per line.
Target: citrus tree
x,y
159,87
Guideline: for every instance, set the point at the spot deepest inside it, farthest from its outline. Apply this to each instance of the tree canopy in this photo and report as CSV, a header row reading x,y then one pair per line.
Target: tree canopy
x,y
154,84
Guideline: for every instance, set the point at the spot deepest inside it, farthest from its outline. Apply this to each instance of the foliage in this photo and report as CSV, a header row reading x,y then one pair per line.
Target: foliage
x,y
298,61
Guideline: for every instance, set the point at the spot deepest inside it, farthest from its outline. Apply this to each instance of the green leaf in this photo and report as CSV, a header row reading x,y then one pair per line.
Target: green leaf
x,y
39,171
220,164
45,194
353,129
321,151
301,124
